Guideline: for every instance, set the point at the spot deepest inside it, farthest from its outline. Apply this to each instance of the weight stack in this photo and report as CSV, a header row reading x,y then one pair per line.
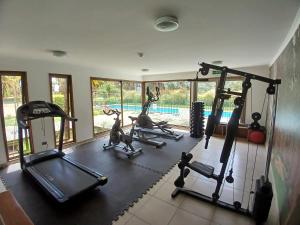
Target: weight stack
x,y
262,200
197,120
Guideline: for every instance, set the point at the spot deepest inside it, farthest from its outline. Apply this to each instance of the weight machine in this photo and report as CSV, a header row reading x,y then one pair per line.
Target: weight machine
x,y
145,125
263,194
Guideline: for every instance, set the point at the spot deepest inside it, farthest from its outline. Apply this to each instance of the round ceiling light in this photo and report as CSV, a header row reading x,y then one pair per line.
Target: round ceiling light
x,y
217,62
58,53
166,24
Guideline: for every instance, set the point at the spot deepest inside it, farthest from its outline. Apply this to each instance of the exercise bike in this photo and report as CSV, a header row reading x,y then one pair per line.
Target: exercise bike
x,y
117,136
144,124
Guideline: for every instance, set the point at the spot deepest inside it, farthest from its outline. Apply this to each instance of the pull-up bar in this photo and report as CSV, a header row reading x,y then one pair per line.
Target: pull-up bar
x,y
205,69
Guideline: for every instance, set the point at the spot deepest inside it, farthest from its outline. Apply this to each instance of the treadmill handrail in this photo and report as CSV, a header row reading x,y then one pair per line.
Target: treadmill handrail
x,y
35,110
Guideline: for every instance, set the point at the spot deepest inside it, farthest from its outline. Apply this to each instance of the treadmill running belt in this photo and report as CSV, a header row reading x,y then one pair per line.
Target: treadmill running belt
x,y
67,178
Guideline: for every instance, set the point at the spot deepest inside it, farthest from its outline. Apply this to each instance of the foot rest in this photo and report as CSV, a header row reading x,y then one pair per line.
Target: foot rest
x,y
204,169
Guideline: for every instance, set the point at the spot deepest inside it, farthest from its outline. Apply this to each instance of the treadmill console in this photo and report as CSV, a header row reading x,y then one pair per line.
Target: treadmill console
x,y
39,108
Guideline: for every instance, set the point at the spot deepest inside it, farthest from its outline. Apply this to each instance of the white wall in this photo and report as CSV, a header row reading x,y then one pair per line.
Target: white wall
x,y
288,37
38,89
258,88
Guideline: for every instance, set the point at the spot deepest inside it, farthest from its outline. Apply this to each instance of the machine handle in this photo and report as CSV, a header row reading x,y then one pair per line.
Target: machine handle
x,y
71,119
23,125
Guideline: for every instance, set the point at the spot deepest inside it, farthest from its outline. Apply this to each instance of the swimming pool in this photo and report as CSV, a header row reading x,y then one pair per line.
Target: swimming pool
x,y
163,110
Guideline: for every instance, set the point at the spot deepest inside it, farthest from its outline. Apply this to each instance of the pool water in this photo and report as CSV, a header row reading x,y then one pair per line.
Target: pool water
x,y
158,109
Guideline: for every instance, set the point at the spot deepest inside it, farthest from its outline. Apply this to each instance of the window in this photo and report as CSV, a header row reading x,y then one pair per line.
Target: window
x,y
233,85
174,103
206,91
105,93
13,94
62,95
132,100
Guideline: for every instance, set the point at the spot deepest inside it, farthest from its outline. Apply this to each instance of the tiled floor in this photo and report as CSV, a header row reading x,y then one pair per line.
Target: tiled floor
x,y
158,208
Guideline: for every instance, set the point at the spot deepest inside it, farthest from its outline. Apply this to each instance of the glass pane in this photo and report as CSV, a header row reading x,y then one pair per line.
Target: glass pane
x,y
206,92
61,96
132,100
234,85
12,99
105,94
174,103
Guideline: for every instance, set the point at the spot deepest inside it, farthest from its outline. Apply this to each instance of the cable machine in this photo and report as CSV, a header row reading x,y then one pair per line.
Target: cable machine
x,y
263,193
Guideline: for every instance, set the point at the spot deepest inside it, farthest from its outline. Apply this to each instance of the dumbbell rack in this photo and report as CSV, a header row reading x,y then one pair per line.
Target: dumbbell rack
x,y
197,120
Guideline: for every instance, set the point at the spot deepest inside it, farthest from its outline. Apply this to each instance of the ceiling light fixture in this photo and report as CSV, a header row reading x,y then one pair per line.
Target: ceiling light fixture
x,y
140,54
58,53
217,62
166,23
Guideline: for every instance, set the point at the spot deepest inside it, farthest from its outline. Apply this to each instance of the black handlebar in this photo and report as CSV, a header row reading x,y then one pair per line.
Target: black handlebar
x,y
39,109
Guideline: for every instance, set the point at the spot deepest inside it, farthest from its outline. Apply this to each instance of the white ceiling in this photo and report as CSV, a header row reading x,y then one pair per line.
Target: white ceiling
x,y
107,34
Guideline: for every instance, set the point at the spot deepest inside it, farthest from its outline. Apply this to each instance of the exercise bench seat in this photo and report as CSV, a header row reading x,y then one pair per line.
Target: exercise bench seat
x,y
204,169
11,213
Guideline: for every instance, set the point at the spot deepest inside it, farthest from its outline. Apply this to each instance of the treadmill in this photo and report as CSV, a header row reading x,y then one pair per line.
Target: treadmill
x,y
59,175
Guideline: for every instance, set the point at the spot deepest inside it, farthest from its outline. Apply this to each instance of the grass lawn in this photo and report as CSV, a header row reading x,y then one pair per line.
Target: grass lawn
x,y
10,121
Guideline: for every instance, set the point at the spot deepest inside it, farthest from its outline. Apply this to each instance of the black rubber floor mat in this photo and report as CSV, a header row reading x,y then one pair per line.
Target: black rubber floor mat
x,y
128,180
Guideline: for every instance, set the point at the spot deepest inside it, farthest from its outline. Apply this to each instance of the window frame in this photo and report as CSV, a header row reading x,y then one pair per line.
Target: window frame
x,y
25,99
234,78
171,80
68,77
121,96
